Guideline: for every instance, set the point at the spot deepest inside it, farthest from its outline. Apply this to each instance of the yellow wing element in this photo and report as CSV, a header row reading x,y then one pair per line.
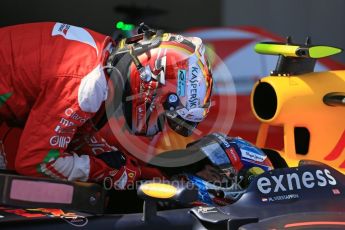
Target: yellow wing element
x,y
288,50
309,107
276,49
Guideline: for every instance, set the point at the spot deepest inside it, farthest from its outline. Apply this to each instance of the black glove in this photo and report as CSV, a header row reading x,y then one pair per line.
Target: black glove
x,y
114,159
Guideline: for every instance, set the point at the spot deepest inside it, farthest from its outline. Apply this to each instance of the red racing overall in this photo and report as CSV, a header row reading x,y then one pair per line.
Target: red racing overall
x,y
52,83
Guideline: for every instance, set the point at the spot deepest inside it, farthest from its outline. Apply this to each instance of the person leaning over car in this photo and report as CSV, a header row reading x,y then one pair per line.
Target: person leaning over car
x,y
54,83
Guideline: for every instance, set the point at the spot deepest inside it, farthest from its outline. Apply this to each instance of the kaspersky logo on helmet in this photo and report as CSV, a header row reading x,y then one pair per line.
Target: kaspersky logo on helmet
x,y
295,181
195,93
193,89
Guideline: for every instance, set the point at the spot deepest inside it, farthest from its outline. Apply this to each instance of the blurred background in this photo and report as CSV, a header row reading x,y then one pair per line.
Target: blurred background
x,y
323,20
229,27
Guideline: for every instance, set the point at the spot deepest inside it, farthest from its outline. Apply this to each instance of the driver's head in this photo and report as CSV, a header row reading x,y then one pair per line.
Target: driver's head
x,y
167,80
230,164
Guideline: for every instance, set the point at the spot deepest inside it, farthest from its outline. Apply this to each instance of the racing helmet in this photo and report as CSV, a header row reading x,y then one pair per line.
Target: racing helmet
x,y
237,162
166,78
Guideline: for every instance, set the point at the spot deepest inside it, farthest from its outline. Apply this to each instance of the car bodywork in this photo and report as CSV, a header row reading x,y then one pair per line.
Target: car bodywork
x,y
310,195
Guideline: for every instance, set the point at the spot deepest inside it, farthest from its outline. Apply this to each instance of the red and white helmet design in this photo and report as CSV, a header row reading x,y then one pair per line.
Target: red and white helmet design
x,y
173,84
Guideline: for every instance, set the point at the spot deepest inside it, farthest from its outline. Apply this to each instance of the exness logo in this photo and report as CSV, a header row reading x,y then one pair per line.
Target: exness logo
x,y
293,181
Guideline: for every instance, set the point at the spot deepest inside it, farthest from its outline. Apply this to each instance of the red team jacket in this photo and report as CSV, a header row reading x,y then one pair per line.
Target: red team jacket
x,y
52,81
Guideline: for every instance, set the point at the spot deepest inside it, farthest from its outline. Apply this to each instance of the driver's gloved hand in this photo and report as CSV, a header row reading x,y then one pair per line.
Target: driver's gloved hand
x,y
125,169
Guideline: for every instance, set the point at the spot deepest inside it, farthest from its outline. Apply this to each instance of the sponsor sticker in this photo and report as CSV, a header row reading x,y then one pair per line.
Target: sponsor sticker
x,y
181,83
247,153
280,198
230,152
131,174
234,158
60,141
194,97
293,181
74,33
64,28
70,113
206,210
96,146
66,122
